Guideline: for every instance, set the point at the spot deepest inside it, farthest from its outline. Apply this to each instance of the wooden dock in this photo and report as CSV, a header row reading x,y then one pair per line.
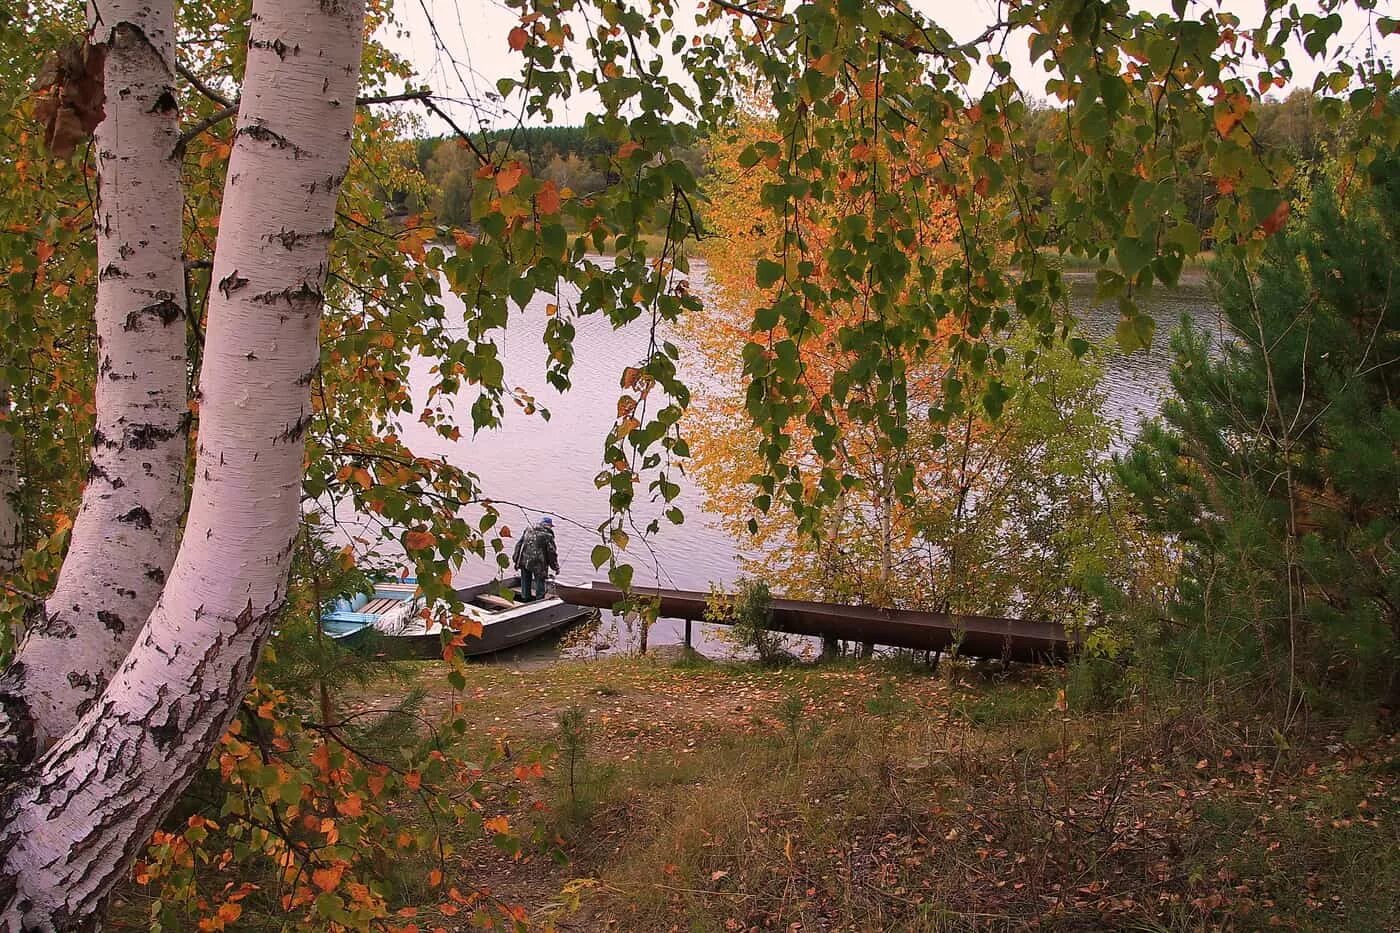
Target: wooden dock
x,y
976,636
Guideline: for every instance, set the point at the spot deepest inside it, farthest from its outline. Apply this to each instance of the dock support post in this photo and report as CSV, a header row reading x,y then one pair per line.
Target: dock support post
x,y
687,637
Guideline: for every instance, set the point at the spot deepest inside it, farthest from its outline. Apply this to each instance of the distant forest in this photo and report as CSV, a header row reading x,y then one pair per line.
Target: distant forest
x,y
571,158
565,155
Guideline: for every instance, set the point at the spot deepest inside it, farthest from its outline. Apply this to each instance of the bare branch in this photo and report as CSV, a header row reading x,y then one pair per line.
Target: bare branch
x,y
203,126
198,84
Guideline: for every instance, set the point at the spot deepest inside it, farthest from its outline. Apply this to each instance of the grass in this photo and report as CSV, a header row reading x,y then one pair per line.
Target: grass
x,y
880,796
872,796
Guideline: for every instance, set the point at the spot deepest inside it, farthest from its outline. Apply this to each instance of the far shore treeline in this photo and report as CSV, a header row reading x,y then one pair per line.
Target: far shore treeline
x,y
573,158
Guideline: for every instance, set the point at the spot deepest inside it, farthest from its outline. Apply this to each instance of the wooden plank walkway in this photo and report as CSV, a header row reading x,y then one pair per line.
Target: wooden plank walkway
x,y
976,636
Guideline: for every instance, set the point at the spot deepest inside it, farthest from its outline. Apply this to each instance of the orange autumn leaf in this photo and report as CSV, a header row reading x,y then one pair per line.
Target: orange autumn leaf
x,y
413,780
1275,221
327,879
321,758
497,824
1226,119
419,540
547,200
351,806
465,627
508,176
518,39
626,149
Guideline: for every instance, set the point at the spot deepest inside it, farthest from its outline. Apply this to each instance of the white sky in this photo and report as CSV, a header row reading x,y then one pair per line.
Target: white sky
x,y
474,52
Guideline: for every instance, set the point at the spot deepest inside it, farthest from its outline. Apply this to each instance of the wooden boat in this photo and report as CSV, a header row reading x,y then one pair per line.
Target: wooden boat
x,y
390,622
383,611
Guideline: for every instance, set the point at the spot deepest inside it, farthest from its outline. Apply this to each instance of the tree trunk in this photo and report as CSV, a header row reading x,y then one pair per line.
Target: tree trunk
x,y
11,544
76,820
127,529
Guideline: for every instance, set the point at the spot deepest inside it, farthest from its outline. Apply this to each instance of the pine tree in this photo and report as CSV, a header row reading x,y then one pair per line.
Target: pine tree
x,y
1275,465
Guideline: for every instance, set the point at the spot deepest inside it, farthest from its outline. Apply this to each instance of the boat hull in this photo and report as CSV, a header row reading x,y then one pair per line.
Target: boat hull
x,y
522,624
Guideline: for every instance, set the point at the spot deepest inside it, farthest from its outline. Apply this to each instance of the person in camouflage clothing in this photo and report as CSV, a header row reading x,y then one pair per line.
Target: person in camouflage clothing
x,y
536,555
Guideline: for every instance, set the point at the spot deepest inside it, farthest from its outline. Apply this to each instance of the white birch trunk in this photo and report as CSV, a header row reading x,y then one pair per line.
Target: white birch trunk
x,y
127,529
77,819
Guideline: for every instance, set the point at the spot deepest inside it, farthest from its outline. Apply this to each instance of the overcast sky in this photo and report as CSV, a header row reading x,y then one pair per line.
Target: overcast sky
x,y
459,47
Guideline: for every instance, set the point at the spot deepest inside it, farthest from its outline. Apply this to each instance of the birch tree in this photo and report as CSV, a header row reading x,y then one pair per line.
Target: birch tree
x,y
10,545
126,532
74,822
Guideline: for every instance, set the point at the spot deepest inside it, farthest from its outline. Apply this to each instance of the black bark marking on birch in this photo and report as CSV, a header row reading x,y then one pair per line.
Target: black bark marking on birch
x,y
231,283
138,32
111,271
164,103
304,294
55,626
111,621
17,742
277,46
165,310
164,735
89,703
138,517
149,436
295,431
156,574
276,140
290,238
308,377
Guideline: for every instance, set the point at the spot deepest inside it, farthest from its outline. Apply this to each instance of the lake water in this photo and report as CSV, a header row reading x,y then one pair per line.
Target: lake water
x,y
531,466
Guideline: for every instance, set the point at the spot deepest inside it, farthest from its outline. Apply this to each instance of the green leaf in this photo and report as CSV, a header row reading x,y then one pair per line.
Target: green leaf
x,y
621,576
1133,255
1135,332
994,398
767,273
601,555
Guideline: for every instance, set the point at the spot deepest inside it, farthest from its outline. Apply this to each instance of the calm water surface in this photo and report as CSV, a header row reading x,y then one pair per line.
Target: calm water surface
x,y
543,466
